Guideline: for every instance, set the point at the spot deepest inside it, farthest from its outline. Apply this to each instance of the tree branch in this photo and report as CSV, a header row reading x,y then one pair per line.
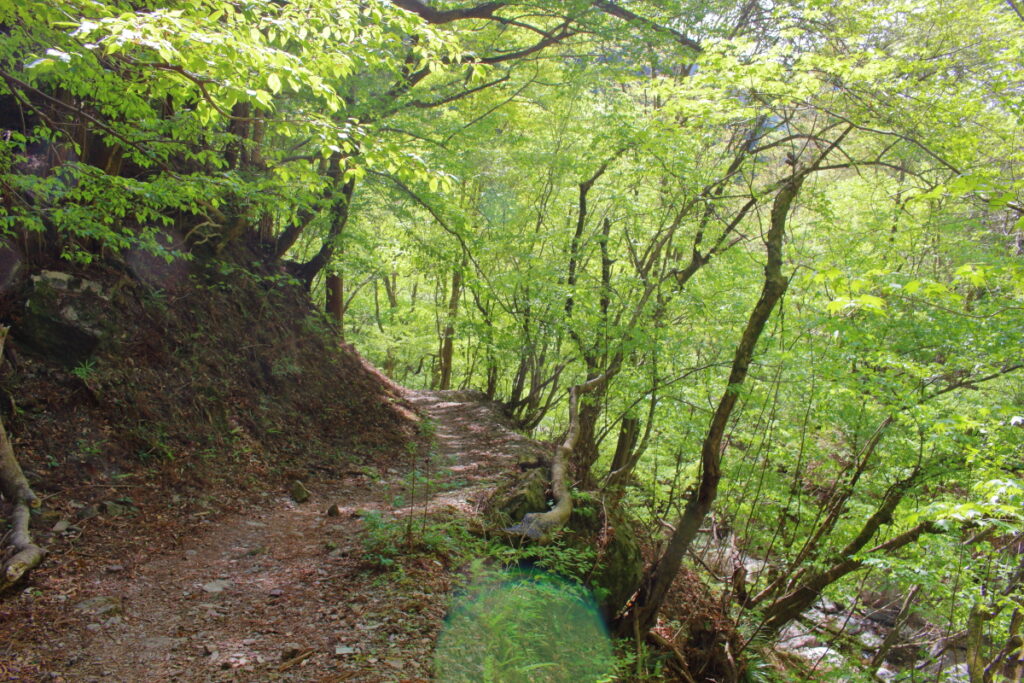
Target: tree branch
x,y
621,12
436,16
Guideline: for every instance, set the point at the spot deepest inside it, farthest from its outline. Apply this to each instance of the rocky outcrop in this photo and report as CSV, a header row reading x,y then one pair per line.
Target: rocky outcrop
x,y
60,320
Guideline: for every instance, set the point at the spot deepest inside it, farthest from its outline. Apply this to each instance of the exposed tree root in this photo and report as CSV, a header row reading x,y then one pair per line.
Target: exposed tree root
x,y
678,662
22,555
537,525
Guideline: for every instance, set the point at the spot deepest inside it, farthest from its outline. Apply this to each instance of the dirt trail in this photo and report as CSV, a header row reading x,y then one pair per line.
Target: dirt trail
x,y
281,593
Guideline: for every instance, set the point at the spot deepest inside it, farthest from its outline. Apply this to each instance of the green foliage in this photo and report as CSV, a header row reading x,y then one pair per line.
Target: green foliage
x,y
381,539
389,540
558,558
162,90
523,626
85,371
596,203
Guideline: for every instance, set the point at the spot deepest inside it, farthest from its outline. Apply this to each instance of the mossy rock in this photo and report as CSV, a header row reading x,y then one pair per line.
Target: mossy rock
x,y
61,318
621,562
526,493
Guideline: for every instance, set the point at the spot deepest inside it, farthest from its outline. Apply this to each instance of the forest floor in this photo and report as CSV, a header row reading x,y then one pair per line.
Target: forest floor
x,y
278,591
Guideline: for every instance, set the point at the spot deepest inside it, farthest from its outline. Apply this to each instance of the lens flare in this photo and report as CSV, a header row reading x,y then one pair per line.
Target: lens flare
x,y
524,625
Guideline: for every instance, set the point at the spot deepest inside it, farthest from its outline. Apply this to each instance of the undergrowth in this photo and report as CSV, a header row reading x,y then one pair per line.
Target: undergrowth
x,y
516,613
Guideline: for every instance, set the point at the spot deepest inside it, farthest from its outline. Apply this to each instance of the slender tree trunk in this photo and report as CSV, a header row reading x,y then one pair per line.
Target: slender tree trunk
x,y
894,633
657,580
629,433
803,596
492,376
335,304
627,453
448,335
587,451
339,218
538,525
391,289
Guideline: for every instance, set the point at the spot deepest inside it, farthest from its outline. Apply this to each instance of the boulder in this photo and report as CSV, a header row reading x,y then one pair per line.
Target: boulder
x,y
59,321
621,562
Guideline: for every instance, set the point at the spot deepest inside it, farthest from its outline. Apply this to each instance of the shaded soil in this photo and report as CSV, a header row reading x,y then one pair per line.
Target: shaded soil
x,y
227,380
474,435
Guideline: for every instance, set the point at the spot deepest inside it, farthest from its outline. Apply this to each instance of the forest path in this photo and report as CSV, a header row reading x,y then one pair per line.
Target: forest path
x,y
285,592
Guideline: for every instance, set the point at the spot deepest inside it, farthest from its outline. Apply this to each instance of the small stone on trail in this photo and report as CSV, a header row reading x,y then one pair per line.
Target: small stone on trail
x,y
334,511
290,650
100,605
114,568
344,650
61,526
216,586
298,492
161,643
114,509
276,592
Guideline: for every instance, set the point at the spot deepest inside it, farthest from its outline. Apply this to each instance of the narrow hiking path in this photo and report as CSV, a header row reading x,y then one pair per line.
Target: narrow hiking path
x,y
284,591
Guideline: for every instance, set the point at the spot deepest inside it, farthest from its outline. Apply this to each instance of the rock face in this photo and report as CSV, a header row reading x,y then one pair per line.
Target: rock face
x,y
57,322
529,493
11,265
621,568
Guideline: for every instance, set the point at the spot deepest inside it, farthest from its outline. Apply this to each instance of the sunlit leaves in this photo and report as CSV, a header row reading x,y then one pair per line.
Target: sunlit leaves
x,y
177,85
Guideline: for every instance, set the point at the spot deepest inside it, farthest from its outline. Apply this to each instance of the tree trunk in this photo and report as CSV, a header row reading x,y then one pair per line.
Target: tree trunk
x,y
587,451
339,218
657,580
803,596
976,642
894,633
448,335
629,432
335,305
538,525
623,461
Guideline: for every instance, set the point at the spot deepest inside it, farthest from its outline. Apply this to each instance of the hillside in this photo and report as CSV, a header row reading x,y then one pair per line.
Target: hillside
x,y
138,413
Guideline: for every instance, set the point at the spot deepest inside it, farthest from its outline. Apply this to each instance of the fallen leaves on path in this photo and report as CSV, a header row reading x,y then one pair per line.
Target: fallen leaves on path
x,y
280,592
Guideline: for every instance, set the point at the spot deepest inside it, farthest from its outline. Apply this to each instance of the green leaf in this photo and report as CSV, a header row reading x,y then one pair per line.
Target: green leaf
x,y
274,83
